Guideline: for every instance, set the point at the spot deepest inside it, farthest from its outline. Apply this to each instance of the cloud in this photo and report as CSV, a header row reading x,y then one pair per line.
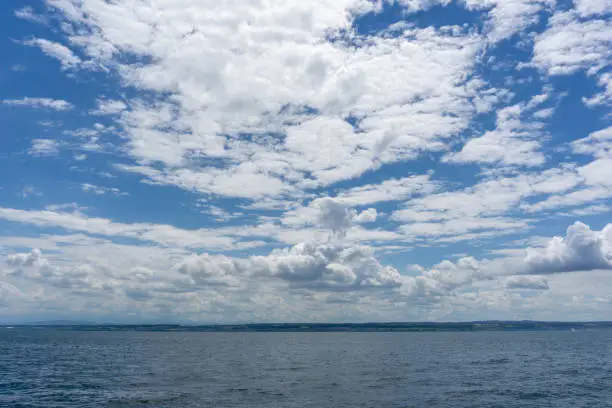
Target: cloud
x,y
482,207
569,45
44,147
514,141
30,191
580,250
366,216
101,190
158,233
55,50
305,265
338,110
327,266
588,8
605,96
318,146
509,17
46,103
27,13
526,282
109,107
35,268
331,214
212,270
598,144
8,294
32,258
388,190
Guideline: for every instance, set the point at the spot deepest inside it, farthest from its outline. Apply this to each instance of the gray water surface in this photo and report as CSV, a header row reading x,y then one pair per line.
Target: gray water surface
x,y
53,368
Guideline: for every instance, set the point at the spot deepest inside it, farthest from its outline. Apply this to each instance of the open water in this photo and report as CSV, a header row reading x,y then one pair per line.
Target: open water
x,y
54,368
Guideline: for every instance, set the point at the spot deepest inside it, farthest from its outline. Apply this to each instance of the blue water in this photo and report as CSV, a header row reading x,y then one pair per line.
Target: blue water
x,y
52,368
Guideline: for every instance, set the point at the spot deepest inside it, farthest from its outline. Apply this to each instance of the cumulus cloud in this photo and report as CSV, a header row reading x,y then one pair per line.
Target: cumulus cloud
x,y
366,216
32,258
311,266
212,270
331,214
328,266
526,282
582,249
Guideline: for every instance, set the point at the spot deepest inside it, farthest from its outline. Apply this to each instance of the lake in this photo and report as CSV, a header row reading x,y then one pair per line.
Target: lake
x,y
60,368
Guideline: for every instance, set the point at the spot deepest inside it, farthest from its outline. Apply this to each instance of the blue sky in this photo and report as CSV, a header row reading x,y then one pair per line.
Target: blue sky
x,y
289,160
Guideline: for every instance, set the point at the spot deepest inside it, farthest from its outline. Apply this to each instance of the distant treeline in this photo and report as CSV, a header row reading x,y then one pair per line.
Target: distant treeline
x,y
336,327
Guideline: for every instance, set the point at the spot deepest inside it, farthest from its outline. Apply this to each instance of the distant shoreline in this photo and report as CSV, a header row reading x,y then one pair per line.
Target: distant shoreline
x,y
414,327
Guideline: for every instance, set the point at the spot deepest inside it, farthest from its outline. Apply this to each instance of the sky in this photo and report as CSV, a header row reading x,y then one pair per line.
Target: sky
x,y
204,161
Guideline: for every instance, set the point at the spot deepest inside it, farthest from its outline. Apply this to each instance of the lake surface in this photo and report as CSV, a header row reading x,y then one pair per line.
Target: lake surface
x,y
54,368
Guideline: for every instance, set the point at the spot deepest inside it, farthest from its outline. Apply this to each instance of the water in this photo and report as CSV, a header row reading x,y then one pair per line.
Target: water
x,y
52,368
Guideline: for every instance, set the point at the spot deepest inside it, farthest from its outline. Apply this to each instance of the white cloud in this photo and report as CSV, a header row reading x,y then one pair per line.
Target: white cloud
x,y
504,18
109,107
512,142
509,17
605,96
32,258
297,132
575,198
66,206
47,103
212,270
587,8
267,70
153,275
330,214
44,147
526,282
483,206
388,190
580,250
27,13
366,216
55,50
569,45
158,233
101,190
328,266
598,144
